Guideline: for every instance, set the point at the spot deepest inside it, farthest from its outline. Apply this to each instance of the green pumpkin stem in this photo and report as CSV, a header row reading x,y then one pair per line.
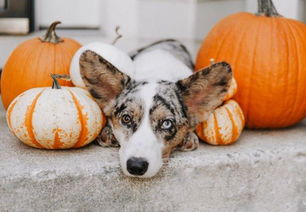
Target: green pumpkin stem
x,y
55,84
267,8
51,35
118,35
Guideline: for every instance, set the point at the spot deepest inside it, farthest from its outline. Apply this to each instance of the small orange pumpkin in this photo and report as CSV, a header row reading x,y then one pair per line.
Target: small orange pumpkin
x,y
55,118
32,62
268,55
231,91
223,126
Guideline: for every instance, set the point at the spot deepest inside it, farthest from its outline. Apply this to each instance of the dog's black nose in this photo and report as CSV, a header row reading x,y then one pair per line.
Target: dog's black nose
x,y
137,166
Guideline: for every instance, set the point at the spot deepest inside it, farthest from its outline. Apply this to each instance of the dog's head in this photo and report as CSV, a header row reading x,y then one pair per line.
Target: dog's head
x,y
151,119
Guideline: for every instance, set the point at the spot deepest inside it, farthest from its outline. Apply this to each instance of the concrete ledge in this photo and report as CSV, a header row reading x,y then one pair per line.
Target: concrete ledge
x,y
264,171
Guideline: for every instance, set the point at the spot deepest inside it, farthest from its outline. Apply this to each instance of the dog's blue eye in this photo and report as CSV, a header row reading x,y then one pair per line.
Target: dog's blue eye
x,y
126,119
166,124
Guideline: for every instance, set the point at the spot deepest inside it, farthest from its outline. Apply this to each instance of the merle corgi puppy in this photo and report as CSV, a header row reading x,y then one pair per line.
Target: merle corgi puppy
x,y
155,110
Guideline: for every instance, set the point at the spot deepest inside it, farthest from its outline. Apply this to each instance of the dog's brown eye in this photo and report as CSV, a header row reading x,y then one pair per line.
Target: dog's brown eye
x,y
126,119
166,124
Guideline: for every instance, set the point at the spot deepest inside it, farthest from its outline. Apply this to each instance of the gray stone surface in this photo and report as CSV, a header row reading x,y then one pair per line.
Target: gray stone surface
x,y
263,171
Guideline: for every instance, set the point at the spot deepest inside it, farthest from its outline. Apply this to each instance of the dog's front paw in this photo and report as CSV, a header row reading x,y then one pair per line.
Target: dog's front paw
x,y
190,142
106,138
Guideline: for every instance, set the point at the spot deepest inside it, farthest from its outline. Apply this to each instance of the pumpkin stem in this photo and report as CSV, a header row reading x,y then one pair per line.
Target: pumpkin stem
x,y
50,35
267,8
118,35
55,84
212,61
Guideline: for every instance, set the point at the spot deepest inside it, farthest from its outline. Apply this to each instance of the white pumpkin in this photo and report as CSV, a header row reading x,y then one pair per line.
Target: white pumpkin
x,y
115,56
55,118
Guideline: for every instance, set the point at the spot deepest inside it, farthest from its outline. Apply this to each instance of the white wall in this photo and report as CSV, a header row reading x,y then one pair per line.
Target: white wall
x,y
72,13
121,13
209,12
183,19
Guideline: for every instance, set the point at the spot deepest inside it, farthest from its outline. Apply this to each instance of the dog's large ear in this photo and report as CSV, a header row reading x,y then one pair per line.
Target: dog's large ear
x,y
103,80
203,91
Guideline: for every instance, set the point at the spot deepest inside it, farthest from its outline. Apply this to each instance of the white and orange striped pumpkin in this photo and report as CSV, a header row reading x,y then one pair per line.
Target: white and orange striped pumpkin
x,y
55,118
224,125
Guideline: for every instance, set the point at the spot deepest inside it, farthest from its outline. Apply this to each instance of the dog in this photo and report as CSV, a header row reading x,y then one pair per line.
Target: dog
x,y
155,111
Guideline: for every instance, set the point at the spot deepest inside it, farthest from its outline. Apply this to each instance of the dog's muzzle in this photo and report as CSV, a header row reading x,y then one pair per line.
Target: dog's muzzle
x,y
137,166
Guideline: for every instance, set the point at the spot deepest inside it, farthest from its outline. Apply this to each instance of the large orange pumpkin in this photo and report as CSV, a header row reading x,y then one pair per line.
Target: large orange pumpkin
x,y
32,62
268,55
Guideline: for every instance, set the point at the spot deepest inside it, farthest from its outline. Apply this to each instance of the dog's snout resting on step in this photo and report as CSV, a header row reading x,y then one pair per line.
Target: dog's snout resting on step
x,y
154,110
137,166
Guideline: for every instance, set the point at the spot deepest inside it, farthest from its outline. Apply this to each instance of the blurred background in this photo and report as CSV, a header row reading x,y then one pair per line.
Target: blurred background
x,y
141,21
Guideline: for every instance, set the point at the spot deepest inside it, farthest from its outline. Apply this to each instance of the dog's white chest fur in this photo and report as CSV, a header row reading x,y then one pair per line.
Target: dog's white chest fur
x,y
159,64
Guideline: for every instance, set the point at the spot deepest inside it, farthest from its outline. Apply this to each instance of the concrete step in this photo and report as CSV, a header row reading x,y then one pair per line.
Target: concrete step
x,y
264,171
